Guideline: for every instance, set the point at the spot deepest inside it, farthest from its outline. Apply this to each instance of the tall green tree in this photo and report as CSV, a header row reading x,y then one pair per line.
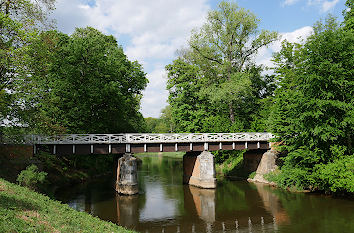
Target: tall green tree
x,y
215,84
228,41
81,83
19,22
313,113
187,106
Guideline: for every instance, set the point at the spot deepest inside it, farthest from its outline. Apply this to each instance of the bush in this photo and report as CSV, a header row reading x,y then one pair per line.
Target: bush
x,y
333,177
294,178
337,176
31,177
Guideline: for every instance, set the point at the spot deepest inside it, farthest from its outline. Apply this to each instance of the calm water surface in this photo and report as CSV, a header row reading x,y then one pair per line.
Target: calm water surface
x,y
165,205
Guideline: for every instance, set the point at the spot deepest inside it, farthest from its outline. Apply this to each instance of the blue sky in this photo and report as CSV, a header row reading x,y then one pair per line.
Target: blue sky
x,y
150,31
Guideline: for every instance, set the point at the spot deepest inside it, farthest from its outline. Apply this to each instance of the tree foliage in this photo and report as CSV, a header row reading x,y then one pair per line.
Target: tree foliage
x,y
19,23
163,124
313,114
228,42
81,83
214,84
31,177
349,15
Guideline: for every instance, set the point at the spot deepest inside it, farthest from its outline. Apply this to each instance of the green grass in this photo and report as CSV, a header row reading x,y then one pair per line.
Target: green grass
x,y
22,210
233,168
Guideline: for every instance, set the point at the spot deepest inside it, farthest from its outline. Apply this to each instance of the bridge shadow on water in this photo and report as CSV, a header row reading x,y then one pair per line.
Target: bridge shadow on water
x,y
164,204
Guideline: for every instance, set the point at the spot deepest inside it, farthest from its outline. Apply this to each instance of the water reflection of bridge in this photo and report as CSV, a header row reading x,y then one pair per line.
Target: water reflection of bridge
x,y
261,213
164,205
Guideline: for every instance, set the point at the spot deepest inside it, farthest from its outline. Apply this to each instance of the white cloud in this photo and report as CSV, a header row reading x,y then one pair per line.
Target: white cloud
x,y
324,5
264,56
328,5
289,2
155,95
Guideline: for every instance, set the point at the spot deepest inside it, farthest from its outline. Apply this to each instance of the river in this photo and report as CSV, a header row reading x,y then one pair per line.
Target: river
x,y
164,204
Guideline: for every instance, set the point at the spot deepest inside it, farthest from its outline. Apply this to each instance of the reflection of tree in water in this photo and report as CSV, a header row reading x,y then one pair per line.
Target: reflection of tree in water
x,y
168,171
316,213
231,197
196,208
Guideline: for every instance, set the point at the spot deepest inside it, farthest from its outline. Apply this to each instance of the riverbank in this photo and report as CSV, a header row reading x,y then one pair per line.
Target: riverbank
x,y
22,210
233,168
61,170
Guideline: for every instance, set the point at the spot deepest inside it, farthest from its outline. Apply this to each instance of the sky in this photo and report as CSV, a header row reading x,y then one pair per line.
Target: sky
x,y
150,31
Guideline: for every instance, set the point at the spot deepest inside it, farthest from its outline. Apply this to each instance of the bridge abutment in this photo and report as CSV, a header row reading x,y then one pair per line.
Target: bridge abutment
x,y
199,169
127,175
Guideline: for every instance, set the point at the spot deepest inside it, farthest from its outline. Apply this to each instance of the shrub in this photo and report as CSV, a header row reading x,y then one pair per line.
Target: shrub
x,y
337,176
295,178
31,177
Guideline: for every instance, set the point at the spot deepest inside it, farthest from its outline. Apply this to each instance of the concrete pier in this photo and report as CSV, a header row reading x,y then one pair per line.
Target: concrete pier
x,y
199,170
267,164
127,175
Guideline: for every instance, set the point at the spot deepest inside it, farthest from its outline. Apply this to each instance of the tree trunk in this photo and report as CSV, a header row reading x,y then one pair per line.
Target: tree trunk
x,y
232,114
231,109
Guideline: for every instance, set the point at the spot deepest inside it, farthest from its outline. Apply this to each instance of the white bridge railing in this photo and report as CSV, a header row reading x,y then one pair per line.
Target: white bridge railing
x,y
138,138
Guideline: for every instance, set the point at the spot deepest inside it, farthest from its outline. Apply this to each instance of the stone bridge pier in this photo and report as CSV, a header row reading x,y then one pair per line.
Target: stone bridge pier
x,y
127,175
199,169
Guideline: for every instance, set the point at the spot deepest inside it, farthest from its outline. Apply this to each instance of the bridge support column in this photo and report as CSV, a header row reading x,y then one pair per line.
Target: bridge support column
x,y
127,175
268,163
199,170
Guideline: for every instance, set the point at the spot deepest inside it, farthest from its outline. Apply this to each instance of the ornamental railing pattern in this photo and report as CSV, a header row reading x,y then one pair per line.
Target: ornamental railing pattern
x,y
138,138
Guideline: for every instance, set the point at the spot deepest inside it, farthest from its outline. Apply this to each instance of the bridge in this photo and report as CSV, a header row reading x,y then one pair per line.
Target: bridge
x,y
139,143
198,162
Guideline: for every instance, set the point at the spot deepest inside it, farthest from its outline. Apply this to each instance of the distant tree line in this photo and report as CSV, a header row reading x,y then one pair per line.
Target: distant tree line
x,y
163,124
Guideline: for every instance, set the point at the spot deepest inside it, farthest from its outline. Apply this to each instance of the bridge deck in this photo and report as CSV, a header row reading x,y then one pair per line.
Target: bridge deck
x,y
138,143
135,138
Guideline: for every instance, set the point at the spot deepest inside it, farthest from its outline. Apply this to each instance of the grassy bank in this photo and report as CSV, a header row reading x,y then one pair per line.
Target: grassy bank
x,y
22,210
231,166
166,154
61,170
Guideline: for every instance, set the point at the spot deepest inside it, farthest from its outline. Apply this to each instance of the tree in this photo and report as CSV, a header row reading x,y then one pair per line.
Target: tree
x,y
18,19
227,42
187,108
313,113
81,83
214,84
19,22
349,15
166,118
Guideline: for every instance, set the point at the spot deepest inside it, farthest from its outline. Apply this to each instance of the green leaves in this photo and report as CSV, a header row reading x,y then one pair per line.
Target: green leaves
x,y
214,85
235,89
82,83
31,177
313,109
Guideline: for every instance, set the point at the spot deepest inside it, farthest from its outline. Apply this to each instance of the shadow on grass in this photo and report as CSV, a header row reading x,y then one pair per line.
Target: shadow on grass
x,y
13,203
239,172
